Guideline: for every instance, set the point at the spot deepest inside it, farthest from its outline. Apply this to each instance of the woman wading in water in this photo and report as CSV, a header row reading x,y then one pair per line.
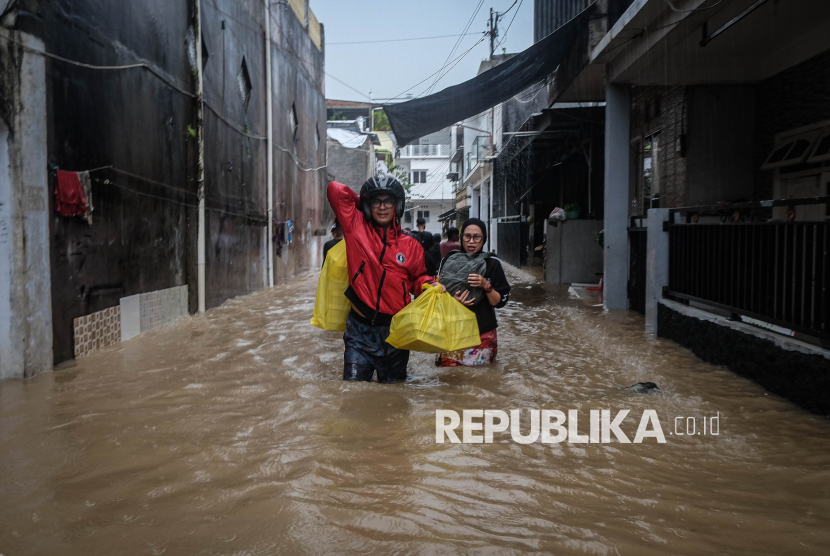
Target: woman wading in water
x,y
476,279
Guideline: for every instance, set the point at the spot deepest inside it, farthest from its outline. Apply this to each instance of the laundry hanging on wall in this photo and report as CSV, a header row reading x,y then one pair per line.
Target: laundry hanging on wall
x,y
70,199
422,116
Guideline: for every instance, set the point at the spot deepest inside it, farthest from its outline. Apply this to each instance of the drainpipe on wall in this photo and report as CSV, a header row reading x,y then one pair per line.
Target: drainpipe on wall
x,y
200,240
270,133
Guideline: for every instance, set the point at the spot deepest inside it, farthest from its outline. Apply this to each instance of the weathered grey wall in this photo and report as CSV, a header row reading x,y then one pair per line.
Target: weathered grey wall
x,y
348,166
136,129
299,82
25,311
235,148
129,119
573,255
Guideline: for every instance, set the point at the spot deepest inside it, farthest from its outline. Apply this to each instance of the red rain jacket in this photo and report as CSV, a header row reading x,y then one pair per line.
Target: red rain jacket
x,y
385,265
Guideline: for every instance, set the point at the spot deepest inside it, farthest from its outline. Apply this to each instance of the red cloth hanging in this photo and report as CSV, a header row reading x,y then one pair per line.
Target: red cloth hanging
x,y
69,194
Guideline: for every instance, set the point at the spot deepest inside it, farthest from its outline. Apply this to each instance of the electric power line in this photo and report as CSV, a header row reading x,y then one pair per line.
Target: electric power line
x,y
504,37
401,40
458,42
457,61
347,85
439,71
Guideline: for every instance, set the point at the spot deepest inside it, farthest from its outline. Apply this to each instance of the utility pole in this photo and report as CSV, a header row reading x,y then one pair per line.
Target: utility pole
x,y
201,234
493,31
269,114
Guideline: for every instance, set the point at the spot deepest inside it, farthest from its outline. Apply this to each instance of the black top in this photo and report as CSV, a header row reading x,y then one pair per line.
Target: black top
x,y
485,313
328,245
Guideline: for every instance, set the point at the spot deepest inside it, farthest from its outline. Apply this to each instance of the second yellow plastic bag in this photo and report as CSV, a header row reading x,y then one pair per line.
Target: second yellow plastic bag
x,y
331,306
434,323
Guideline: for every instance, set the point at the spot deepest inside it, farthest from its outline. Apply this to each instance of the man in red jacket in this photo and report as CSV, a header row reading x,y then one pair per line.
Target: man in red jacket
x,y
385,266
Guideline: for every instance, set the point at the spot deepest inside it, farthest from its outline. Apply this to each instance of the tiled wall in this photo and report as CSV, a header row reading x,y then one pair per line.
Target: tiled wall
x,y
146,311
150,310
135,314
97,330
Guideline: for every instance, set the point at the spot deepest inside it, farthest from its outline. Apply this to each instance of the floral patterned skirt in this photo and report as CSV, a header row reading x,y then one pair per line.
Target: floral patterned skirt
x,y
482,354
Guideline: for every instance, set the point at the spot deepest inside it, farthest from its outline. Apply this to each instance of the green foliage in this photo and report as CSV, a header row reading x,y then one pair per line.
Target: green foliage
x,y
191,132
380,121
572,207
601,238
399,172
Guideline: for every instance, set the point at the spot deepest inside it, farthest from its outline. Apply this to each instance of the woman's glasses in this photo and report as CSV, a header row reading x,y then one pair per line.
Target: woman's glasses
x,y
474,239
387,202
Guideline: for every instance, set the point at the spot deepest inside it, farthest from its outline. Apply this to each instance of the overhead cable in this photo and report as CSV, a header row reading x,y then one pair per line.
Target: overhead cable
x,y
458,42
439,71
402,40
504,37
148,67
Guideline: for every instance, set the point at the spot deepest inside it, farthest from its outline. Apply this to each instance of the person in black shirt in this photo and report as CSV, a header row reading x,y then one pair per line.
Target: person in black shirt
x,y
496,294
431,261
336,237
436,249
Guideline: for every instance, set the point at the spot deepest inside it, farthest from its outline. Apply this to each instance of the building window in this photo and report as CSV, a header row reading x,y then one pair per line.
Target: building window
x,y
407,217
190,39
419,176
243,78
293,121
420,214
651,170
426,214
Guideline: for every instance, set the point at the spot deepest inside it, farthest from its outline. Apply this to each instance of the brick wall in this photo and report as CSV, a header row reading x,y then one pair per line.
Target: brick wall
x,y
793,98
661,109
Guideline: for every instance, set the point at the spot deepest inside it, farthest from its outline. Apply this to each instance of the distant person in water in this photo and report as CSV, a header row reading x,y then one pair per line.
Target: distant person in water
x,y
481,292
435,250
336,237
451,243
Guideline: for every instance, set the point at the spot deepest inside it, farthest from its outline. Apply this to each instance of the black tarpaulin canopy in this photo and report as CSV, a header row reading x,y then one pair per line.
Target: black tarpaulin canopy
x,y
422,116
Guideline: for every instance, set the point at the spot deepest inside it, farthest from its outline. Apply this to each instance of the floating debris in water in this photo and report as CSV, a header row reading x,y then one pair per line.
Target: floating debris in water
x,y
643,387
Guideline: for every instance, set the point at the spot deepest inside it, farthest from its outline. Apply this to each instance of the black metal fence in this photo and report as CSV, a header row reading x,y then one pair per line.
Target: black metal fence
x,y
777,272
512,240
638,251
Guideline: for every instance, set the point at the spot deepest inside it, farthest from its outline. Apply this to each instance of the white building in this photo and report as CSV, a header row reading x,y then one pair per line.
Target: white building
x,y
427,163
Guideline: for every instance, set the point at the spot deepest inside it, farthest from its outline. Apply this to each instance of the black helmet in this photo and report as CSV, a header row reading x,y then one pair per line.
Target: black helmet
x,y
383,183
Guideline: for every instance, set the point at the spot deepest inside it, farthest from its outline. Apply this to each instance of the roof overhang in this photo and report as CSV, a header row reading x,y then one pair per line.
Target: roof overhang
x,y
656,42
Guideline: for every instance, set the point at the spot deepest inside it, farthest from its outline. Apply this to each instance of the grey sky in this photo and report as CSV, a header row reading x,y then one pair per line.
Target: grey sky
x,y
388,68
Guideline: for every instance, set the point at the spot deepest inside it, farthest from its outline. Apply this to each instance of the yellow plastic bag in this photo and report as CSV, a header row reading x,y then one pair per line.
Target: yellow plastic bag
x,y
434,323
331,306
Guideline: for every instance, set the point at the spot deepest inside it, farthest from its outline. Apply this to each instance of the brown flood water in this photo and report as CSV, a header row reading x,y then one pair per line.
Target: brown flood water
x,y
232,433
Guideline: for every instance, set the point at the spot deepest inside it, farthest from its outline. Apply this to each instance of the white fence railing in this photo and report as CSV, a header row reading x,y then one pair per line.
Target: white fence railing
x,y
425,151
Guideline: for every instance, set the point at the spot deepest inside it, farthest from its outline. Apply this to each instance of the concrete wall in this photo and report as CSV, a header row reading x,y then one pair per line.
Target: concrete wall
x,y
349,166
298,80
25,308
135,129
779,364
572,254
131,120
